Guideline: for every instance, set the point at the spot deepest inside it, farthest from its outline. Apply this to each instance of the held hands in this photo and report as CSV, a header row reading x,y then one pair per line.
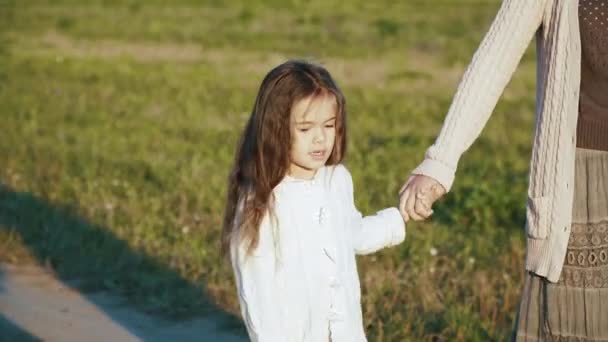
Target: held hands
x,y
417,196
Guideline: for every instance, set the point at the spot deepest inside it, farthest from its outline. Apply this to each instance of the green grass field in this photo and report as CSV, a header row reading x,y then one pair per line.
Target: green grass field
x,y
118,122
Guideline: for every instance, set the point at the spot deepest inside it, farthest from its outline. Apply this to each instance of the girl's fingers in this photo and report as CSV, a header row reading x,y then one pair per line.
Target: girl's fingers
x,y
405,216
437,190
405,185
409,207
402,199
423,208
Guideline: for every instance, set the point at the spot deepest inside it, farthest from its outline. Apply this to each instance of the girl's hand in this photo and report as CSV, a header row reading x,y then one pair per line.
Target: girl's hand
x,y
417,196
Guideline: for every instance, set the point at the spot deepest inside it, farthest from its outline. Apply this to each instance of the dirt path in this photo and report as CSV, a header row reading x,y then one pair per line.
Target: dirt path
x,y
35,306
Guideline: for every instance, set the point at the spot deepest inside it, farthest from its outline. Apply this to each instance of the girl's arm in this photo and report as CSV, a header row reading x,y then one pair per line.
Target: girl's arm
x,y
255,281
481,85
371,233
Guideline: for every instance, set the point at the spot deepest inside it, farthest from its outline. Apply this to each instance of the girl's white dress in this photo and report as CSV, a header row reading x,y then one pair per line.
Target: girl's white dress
x,y
301,283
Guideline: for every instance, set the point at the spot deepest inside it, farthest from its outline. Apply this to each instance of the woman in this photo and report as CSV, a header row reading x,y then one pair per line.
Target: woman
x,y
565,293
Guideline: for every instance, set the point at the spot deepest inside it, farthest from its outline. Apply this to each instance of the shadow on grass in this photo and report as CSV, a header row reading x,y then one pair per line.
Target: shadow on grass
x,y
90,258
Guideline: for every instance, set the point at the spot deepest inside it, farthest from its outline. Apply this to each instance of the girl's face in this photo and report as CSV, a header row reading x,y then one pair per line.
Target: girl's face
x,y
313,131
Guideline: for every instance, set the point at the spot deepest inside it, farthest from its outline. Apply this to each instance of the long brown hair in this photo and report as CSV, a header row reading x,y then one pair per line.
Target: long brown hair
x,y
262,158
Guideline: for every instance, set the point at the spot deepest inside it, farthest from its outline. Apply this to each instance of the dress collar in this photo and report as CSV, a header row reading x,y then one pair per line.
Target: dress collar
x,y
316,179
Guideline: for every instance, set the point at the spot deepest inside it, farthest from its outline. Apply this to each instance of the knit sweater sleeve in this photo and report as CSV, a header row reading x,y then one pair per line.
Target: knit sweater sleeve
x,y
481,86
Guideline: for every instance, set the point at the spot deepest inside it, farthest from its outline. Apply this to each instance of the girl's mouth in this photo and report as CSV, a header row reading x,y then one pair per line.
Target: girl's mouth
x,y
317,155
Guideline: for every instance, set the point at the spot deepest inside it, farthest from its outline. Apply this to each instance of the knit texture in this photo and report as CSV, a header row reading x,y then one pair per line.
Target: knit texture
x,y
550,194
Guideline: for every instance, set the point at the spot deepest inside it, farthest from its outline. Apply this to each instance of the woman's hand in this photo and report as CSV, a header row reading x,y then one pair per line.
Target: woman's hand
x,y
417,196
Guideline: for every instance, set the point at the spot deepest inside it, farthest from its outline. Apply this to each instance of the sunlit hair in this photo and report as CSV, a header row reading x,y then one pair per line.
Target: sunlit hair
x,y
263,153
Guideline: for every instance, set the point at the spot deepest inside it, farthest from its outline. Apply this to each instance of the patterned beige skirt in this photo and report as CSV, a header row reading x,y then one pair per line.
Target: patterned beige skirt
x,y
576,307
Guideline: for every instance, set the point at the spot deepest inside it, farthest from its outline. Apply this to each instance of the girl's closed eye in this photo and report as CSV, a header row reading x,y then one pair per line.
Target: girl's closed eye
x,y
331,123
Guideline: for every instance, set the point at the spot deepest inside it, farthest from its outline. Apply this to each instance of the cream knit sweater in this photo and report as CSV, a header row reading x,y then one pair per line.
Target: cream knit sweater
x,y
550,193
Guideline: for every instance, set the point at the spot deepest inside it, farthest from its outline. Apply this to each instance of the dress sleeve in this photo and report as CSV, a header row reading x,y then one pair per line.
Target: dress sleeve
x,y
371,233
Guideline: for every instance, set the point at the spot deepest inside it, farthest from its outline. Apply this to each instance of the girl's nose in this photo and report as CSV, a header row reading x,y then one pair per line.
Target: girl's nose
x,y
319,135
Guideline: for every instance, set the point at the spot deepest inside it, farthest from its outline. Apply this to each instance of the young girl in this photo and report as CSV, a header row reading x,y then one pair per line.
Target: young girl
x,y
291,225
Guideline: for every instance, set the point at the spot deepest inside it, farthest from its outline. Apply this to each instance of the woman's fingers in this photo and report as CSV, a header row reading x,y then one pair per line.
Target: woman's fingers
x,y
416,197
